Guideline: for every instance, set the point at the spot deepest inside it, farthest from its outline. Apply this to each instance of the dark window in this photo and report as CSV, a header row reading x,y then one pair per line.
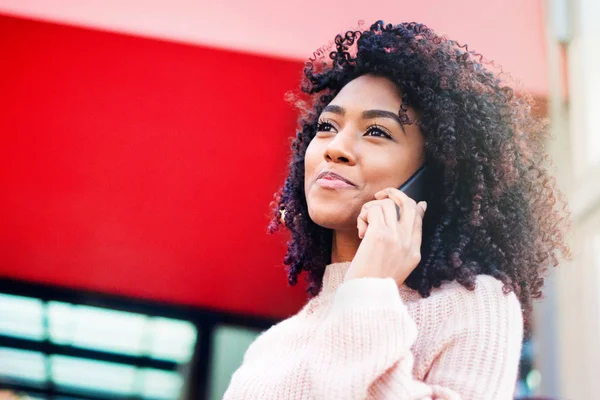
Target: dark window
x,y
60,343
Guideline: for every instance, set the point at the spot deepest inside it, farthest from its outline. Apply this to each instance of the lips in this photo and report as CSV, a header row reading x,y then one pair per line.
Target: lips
x,y
333,176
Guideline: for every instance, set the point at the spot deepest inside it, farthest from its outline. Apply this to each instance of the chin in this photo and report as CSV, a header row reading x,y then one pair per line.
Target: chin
x,y
332,217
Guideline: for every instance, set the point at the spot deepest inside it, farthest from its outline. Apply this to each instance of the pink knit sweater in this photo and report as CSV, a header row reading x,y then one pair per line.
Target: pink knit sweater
x,y
368,339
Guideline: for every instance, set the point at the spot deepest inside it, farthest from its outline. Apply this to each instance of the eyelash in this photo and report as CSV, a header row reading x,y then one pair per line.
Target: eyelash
x,y
322,124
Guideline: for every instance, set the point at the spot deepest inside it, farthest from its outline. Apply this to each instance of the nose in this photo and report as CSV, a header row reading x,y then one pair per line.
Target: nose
x,y
341,149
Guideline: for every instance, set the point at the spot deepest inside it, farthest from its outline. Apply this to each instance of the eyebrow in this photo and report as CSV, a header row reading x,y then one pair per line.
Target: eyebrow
x,y
368,114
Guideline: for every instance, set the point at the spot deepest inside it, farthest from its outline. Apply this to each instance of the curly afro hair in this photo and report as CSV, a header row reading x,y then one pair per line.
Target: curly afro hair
x,y
494,207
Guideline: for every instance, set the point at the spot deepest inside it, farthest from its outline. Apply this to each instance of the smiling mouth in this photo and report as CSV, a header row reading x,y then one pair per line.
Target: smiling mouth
x,y
331,180
332,176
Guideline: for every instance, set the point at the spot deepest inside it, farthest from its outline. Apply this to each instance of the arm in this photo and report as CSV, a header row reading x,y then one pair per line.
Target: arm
x,y
481,358
367,333
363,349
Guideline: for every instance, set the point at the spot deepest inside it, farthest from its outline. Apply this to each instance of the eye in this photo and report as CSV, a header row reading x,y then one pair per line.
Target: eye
x,y
378,131
324,126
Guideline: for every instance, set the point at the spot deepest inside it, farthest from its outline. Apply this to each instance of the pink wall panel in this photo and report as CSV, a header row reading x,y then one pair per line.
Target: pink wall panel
x,y
510,32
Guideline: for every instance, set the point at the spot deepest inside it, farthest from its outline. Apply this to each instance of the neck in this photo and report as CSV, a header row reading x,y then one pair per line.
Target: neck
x,y
344,245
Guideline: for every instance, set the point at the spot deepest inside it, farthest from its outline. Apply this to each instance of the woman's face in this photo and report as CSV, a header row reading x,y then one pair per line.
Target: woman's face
x,y
360,138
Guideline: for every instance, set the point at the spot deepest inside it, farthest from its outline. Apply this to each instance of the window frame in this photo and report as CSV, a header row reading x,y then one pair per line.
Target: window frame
x,y
206,321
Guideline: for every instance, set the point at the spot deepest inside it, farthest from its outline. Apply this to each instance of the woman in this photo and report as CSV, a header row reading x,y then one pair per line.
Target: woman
x,y
411,300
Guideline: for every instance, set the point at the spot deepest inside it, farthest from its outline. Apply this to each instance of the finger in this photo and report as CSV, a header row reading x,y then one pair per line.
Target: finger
x,y
407,208
417,236
362,226
362,220
376,218
398,196
423,206
417,239
371,215
418,224
383,195
407,222
390,213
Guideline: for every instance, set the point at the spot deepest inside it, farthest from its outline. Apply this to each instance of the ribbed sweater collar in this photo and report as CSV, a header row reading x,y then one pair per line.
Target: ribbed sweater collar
x,y
335,273
334,276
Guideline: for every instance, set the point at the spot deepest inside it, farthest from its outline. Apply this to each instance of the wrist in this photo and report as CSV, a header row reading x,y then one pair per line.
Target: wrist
x,y
359,274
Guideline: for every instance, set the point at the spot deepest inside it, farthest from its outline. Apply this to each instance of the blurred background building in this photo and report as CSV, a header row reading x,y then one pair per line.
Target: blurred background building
x,y
141,144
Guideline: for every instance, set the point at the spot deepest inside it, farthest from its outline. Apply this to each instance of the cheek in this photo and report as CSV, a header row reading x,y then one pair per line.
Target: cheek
x,y
311,163
385,168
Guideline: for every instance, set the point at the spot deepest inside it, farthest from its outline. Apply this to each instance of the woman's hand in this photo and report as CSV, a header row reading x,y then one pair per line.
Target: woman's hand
x,y
391,231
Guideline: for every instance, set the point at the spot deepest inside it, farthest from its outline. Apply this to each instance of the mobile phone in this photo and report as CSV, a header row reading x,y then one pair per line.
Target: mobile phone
x,y
415,186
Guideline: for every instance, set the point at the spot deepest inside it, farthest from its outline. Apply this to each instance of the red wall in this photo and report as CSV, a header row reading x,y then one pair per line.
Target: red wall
x,y
143,167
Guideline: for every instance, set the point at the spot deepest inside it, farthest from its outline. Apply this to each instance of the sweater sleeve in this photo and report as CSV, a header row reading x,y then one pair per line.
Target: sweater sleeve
x,y
363,348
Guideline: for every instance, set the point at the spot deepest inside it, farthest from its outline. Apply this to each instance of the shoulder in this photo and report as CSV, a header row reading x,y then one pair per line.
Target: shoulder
x,y
486,306
488,291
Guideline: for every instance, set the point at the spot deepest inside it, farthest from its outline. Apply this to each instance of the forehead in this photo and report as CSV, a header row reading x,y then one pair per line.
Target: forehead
x,y
369,92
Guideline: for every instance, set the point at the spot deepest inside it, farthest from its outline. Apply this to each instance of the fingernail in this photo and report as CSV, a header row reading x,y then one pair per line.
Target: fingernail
x,y
424,206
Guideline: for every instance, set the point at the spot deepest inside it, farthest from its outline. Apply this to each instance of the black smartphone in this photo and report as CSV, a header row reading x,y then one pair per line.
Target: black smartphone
x,y
415,186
